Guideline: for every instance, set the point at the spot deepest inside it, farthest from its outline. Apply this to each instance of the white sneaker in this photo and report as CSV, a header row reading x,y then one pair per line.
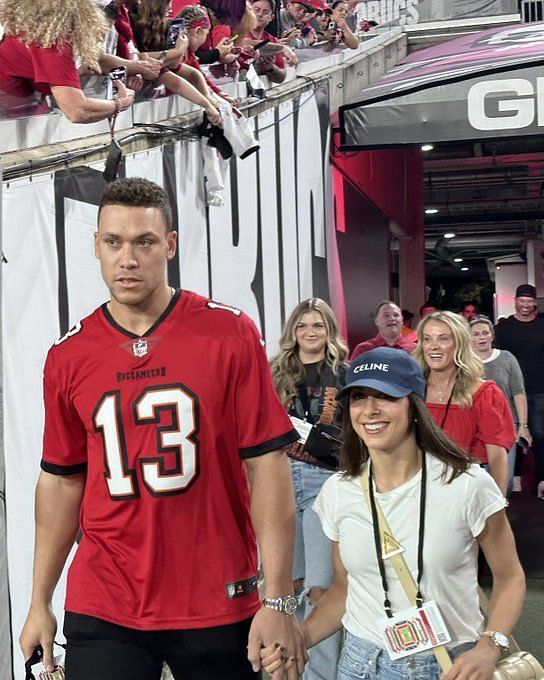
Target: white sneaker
x,y
540,491
516,484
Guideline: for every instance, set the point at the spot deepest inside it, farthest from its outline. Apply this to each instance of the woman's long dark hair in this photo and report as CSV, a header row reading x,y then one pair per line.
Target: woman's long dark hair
x,y
149,25
429,437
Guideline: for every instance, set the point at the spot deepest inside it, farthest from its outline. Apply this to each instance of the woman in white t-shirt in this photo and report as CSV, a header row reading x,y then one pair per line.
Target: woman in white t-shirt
x,y
439,508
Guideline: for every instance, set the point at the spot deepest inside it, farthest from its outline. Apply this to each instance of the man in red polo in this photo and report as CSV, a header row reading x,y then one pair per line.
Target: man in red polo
x,y
389,323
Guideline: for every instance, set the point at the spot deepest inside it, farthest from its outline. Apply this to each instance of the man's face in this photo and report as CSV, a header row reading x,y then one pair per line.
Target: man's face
x,y
469,312
425,311
298,11
133,246
389,321
525,306
263,12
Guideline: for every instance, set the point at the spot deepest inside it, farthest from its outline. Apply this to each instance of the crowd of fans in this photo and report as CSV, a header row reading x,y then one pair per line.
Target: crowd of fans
x,y
62,52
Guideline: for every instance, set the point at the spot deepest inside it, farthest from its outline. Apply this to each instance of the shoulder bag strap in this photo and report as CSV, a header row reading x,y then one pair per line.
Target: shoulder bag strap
x,y
399,565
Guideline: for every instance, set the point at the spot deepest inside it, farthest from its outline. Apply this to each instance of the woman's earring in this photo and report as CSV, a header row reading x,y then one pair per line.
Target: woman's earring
x,y
415,420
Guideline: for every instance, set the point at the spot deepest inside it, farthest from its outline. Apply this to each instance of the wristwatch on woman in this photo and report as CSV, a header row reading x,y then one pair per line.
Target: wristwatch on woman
x,y
500,640
287,604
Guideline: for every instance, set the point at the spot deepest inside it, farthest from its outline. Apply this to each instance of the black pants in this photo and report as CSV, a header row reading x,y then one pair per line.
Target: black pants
x,y
99,650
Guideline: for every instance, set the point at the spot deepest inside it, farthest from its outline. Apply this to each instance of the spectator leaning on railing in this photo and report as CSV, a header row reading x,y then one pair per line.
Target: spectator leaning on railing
x,y
338,30
296,30
37,58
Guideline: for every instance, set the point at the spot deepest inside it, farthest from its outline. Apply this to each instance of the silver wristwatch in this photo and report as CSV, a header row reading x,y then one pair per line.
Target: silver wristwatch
x,y
500,639
286,604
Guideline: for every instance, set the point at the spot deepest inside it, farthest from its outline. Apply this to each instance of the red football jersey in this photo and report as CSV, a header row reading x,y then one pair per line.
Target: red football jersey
x,y
161,425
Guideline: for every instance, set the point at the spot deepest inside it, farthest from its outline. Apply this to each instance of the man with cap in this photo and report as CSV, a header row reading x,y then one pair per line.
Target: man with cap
x,y
389,323
295,28
270,65
522,334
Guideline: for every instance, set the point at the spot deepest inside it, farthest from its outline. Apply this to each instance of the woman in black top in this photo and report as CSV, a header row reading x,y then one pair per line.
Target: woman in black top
x,y
308,371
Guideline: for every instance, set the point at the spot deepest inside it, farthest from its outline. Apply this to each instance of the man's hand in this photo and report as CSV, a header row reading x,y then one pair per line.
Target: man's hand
x,y
290,56
264,64
476,664
39,629
274,628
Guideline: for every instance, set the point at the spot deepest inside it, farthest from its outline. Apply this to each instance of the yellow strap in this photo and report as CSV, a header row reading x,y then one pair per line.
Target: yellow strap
x,y
399,564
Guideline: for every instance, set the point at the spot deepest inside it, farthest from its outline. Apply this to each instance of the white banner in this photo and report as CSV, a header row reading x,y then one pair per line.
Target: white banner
x,y
263,251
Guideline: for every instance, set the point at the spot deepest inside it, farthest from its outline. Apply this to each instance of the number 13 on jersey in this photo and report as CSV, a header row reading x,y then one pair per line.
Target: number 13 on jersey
x,y
179,439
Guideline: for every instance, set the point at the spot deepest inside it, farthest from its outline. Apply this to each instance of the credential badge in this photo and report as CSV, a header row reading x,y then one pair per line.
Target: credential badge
x,y
139,347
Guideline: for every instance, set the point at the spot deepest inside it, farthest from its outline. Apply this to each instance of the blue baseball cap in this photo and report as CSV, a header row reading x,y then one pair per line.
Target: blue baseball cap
x,y
391,371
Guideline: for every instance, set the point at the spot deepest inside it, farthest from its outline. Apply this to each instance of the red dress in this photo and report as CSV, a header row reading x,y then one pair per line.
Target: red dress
x,y
488,421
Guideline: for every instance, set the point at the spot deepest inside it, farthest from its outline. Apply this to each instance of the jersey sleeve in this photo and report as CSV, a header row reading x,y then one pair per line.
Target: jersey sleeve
x,y
54,66
483,499
263,424
494,417
325,506
65,438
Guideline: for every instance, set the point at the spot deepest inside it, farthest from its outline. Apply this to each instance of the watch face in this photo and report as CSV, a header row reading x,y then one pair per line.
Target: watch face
x,y
290,605
501,639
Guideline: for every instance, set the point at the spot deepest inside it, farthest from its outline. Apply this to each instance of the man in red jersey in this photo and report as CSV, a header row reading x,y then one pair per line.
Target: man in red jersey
x,y
159,407
389,323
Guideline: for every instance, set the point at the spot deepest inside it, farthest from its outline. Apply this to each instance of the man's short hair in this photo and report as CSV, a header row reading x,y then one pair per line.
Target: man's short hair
x,y
383,303
137,192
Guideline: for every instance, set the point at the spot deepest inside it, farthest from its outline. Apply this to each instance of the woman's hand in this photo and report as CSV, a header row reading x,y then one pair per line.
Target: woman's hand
x,y
125,96
476,664
274,660
224,46
526,434
182,43
149,67
214,115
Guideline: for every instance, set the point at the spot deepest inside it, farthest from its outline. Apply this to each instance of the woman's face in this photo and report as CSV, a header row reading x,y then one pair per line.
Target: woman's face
x,y
197,37
438,345
339,12
168,10
381,421
311,334
482,338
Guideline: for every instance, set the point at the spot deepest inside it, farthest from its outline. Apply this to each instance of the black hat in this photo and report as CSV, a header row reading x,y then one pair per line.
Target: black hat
x,y
526,290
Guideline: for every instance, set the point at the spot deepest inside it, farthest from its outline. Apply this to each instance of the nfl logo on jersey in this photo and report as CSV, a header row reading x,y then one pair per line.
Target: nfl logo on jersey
x,y
139,347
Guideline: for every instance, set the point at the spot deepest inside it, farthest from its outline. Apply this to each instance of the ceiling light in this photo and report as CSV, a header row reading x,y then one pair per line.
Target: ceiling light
x,y
431,211
449,234
427,147
464,269
457,259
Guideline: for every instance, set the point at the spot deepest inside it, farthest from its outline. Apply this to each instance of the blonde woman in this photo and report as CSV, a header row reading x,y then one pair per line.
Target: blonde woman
x,y
471,411
42,41
308,371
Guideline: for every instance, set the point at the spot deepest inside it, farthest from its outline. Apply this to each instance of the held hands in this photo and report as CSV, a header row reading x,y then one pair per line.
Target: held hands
x,y
476,664
281,637
39,629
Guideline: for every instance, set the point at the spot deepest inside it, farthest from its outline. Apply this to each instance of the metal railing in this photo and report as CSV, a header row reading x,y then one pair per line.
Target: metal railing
x,y
532,10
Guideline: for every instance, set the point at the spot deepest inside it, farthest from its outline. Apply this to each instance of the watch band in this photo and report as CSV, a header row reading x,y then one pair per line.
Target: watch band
x,y
287,604
499,639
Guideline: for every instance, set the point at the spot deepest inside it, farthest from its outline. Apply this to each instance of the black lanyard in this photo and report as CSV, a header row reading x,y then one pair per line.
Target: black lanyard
x,y
375,527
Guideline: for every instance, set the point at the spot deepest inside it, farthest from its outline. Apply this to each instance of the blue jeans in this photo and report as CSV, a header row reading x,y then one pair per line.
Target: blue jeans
x,y
312,561
535,403
361,660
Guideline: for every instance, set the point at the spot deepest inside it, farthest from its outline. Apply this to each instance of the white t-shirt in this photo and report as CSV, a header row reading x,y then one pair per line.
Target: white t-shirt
x,y
455,514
